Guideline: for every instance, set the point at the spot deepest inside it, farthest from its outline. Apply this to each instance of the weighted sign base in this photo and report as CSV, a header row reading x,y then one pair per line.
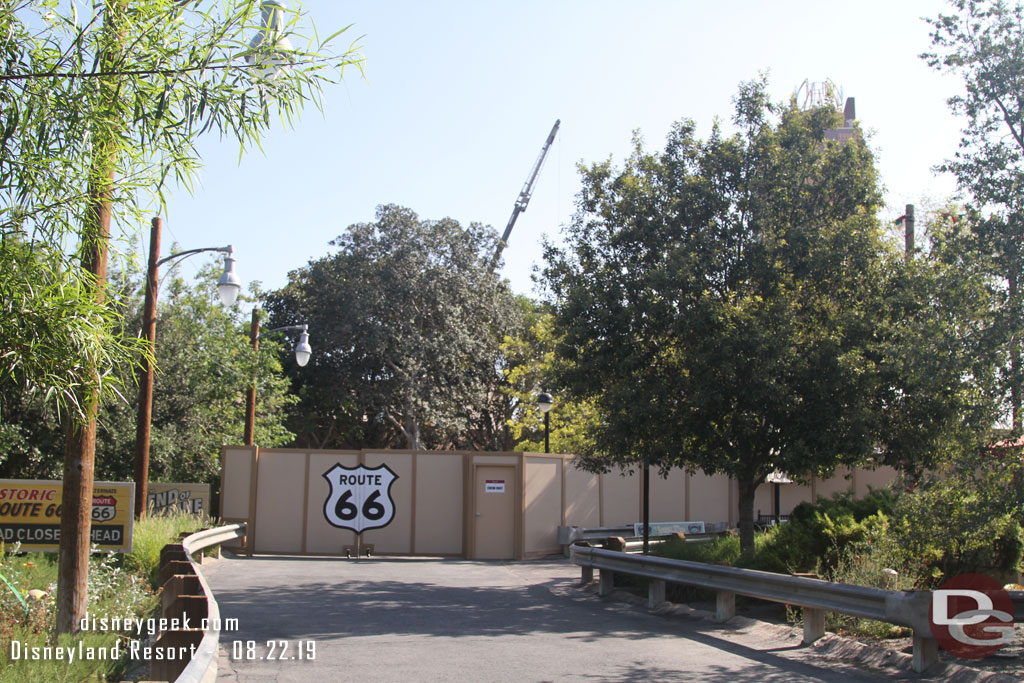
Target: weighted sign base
x,y
358,550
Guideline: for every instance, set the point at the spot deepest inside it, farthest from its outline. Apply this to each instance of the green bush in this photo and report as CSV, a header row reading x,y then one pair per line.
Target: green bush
x,y
877,561
119,586
152,533
812,541
816,534
964,520
112,592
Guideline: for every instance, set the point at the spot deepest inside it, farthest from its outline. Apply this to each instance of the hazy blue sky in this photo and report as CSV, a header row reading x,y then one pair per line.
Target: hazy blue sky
x,y
459,96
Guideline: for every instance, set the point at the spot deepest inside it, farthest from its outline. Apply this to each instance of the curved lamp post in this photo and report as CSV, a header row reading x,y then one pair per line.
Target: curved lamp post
x,y
228,286
302,353
544,403
269,48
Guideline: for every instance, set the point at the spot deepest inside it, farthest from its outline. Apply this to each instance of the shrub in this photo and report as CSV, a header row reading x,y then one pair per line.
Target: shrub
x,y
966,519
811,541
875,562
119,586
152,533
817,533
112,591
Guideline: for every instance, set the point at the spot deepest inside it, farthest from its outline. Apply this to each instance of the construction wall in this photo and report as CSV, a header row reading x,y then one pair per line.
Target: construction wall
x,y
477,505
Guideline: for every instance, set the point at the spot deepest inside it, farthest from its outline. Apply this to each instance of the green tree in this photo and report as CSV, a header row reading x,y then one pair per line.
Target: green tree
x,y
50,327
179,69
70,93
205,363
730,305
530,368
407,317
99,111
940,348
964,517
983,42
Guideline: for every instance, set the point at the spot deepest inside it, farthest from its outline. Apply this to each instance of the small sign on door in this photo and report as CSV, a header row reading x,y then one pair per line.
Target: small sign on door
x,y
494,486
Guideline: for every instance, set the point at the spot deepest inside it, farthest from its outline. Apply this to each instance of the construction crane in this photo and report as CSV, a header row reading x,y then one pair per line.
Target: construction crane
x,y
524,195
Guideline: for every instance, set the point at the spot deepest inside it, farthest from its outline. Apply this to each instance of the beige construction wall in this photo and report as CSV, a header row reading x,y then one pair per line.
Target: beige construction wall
x,y
582,498
544,504
439,505
281,494
321,537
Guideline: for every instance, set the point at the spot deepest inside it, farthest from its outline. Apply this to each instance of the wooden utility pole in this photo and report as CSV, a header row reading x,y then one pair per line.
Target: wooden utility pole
x,y
80,447
145,407
250,397
908,230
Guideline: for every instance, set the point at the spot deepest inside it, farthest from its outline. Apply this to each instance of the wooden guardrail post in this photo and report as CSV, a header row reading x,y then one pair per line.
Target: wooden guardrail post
x,y
655,593
725,606
926,652
181,645
169,569
606,582
176,586
814,624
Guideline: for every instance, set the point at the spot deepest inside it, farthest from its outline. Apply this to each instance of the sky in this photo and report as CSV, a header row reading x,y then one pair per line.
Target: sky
x,y
457,98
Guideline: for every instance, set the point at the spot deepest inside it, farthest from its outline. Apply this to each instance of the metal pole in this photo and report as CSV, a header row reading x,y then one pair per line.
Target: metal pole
x,y
777,507
250,399
144,416
647,507
547,431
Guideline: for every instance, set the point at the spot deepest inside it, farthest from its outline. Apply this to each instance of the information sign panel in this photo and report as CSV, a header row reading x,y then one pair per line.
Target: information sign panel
x,y
163,497
30,512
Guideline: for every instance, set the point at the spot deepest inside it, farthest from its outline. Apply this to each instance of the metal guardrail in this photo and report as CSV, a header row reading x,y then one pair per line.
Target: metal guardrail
x,y
903,608
182,599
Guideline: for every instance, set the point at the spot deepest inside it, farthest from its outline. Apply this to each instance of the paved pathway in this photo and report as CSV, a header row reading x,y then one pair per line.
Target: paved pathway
x,y
390,619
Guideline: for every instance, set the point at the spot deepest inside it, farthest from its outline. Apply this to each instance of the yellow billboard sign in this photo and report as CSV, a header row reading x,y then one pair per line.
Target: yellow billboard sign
x,y
164,497
30,512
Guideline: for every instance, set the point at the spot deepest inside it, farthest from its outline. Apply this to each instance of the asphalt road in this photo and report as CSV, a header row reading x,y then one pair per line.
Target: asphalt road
x,y
390,619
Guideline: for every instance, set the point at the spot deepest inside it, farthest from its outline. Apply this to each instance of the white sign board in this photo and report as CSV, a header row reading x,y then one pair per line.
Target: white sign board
x,y
494,486
666,528
360,497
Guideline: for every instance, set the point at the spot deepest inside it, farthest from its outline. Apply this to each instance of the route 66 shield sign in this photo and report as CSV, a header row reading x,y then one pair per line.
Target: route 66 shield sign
x,y
360,497
104,508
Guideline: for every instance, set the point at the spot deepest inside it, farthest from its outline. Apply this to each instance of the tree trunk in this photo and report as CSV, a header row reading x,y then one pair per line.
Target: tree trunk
x,y
411,430
80,447
747,488
1015,392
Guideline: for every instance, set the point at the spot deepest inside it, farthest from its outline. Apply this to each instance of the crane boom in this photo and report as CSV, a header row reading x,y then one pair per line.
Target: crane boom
x,y
524,195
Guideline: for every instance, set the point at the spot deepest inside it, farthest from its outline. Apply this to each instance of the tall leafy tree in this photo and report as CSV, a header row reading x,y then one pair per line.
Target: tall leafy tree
x,y
407,317
983,42
98,111
731,305
531,368
205,363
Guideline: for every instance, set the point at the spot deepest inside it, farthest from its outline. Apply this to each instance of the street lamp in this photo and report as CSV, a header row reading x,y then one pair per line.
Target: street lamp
x,y
302,353
269,48
228,286
544,403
